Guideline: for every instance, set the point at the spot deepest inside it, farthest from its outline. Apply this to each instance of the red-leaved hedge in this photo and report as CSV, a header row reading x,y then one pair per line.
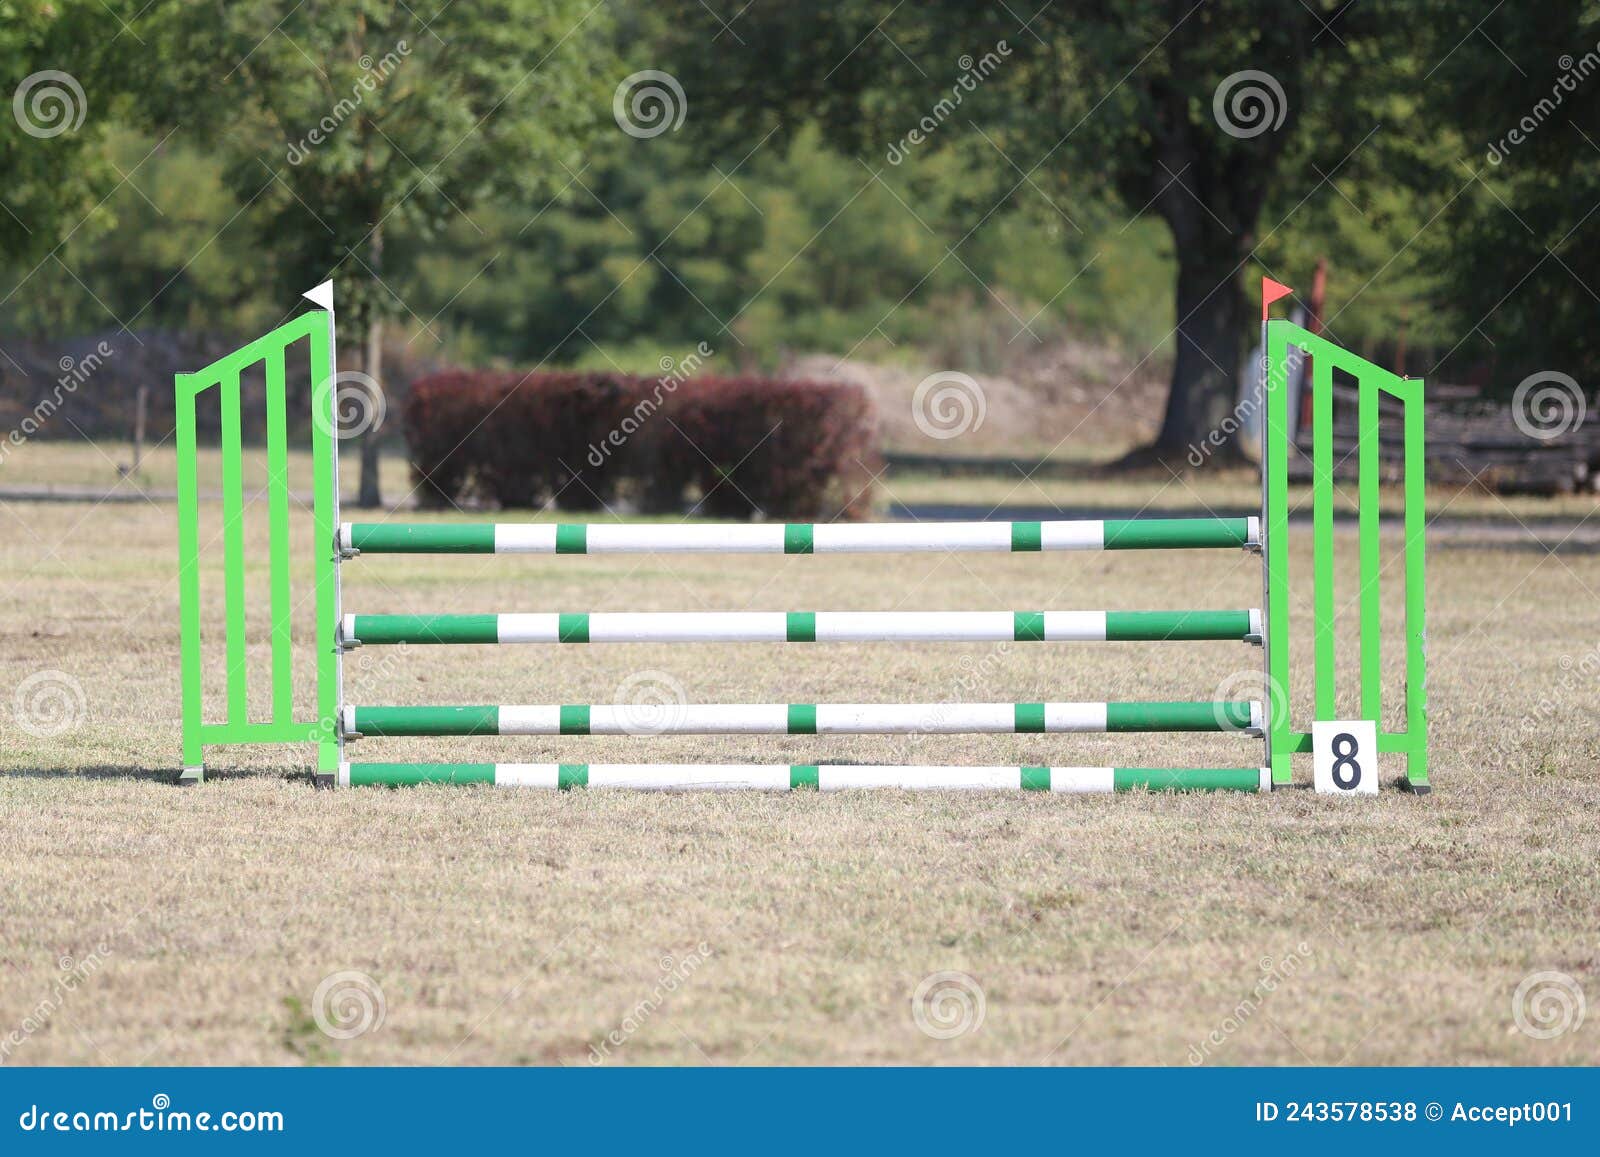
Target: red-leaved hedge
x,y
723,447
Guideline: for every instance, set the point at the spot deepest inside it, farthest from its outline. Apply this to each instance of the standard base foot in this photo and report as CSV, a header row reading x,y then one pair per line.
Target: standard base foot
x,y
191,777
324,779
1415,788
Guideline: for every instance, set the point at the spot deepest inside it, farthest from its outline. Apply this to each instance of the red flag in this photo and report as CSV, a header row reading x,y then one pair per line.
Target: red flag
x,y
1270,292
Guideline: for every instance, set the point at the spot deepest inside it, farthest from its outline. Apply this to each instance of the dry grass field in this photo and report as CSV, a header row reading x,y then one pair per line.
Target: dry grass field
x,y
140,924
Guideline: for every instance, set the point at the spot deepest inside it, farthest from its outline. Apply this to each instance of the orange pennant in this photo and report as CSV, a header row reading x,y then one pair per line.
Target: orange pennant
x,y
1270,292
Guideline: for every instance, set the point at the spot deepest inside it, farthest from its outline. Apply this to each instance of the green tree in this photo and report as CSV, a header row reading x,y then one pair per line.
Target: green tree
x,y
346,123
65,79
1200,113
157,254
665,243
1518,234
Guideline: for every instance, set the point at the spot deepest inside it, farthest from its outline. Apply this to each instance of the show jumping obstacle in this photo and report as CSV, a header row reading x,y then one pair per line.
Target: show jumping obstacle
x,y
336,633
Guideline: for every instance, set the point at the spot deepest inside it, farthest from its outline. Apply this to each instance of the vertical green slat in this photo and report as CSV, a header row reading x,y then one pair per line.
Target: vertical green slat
x,y
1371,636
1027,718
189,571
800,627
1416,627
278,506
798,538
1322,533
802,719
318,328
570,775
233,546
1275,479
572,628
803,775
572,538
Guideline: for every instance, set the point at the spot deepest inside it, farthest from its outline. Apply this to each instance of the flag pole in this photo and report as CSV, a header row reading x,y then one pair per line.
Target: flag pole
x,y
1270,291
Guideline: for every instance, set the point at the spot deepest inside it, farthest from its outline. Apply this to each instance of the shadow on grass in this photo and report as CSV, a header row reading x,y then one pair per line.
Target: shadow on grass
x,y
156,775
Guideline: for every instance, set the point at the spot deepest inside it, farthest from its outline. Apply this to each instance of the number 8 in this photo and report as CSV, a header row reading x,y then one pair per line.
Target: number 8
x,y
1346,758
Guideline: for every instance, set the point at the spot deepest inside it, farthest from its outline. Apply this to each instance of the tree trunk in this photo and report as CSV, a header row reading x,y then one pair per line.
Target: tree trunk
x,y
371,365
1201,423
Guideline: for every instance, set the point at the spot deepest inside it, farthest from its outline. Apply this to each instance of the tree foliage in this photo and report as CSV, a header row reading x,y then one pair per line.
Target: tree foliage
x,y
67,82
479,191
1199,113
346,122
1518,236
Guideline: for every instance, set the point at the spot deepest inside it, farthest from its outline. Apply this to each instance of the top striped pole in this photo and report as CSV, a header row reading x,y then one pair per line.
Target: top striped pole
x,y
796,537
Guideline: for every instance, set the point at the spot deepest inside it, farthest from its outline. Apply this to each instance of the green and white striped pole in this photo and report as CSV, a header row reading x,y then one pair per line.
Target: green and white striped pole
x,y
796,538
820,777
805,627
804,719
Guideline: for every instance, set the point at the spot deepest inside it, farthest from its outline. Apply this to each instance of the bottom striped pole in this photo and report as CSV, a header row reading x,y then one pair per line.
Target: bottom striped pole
x,y
823,777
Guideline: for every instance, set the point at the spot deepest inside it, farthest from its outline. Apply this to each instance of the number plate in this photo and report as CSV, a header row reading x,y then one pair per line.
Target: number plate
x,y
1345,756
